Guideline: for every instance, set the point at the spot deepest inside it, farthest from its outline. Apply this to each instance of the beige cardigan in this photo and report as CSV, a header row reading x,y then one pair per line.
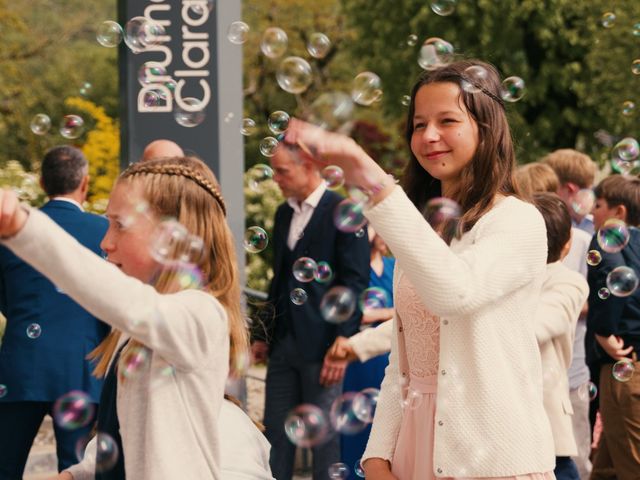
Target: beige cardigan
x,y
169,410
563,295
490,420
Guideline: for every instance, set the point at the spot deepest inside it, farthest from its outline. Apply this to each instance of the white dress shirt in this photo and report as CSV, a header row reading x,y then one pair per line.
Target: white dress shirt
x,y
302,214
69,200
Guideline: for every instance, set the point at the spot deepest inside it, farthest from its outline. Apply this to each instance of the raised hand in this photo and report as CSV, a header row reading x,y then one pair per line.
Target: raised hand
x,y
12,215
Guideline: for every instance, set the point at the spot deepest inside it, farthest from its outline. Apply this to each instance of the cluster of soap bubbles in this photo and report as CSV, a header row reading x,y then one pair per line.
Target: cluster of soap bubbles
x,y
71,126
178,253
308,426
138,34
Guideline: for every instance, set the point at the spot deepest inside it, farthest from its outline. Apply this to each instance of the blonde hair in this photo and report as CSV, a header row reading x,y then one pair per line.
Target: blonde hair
x,y
184,188
572,166
536,177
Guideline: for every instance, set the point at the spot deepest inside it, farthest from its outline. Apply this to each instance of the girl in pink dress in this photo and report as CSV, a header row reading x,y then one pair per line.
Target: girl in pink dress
x,y
462,395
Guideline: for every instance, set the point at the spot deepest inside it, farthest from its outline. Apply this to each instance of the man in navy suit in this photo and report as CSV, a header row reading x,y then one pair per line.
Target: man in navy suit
x,y
48,335
296,337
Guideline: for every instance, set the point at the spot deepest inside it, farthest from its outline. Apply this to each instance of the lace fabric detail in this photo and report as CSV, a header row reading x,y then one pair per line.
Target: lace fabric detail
x,y
421,330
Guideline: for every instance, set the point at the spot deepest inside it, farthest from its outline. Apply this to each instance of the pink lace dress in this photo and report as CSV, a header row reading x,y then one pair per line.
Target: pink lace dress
x,y
413,457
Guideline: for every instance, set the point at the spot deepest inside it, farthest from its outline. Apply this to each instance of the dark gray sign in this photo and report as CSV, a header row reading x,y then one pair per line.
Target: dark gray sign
x,y
181,79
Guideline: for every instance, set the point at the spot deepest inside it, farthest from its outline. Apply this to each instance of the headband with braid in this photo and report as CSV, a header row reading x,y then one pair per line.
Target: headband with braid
x,y
180,170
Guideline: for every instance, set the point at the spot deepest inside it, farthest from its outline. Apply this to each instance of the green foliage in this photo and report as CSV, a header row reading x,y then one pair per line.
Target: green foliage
x,y
577,72
260,210
48,52
24,183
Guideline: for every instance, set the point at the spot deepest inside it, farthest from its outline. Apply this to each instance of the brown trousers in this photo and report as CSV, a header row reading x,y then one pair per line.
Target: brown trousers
x,y
618,454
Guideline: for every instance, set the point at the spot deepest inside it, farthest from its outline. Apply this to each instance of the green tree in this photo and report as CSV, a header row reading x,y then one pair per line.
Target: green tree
x,y
578,73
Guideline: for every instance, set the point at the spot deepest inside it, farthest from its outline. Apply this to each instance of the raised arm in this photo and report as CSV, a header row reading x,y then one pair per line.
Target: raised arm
x,y
186,328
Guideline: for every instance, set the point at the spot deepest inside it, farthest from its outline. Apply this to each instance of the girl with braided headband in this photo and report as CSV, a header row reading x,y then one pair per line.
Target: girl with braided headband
x,y
164,414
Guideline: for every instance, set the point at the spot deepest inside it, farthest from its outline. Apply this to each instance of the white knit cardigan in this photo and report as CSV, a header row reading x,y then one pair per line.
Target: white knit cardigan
x,y
490,420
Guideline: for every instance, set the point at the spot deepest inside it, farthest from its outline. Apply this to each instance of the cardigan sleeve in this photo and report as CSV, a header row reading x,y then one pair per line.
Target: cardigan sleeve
x,y
388,416
504,251
187,328
562,298
372,342
86,469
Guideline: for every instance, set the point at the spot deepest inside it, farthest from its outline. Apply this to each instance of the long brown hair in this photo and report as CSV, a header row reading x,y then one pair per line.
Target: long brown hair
x,y
490,171
184,188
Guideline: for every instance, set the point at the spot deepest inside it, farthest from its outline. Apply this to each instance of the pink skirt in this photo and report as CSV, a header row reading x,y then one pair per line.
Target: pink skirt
x,y
416,437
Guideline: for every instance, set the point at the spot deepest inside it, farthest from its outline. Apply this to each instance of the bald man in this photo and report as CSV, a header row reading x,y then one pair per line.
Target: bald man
x,y
161,149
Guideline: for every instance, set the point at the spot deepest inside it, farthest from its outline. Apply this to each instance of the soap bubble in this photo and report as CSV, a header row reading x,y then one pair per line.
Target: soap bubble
x,y
73,410
248,127
360,233
333,176
3,390
374,297
443,7
635,30
338,471
85,89
294,75
150,72
343,418
583,201
338,304
443,214
434,53
622,281
366,88
40,124
71,126
364,404
608,19
628,107
623,370
141,33
258,175
268,146
405,100
255,240
324,274
171,244
306,426
278,122
34,331
411,399
331,110
107,452
512,89
357,469
133,361
412,40
190,116
274,42
613,236
627,149
635,67
475,77
348,216
238,33
305,269
109,34
298,296
594,258
318,45
604,293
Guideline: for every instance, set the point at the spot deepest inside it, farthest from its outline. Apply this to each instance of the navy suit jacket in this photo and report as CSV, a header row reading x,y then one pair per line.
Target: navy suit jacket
x,y
46,367
348,256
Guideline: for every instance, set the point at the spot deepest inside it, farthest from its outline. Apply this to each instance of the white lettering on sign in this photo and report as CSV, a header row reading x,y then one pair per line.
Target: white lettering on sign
x,y
195,57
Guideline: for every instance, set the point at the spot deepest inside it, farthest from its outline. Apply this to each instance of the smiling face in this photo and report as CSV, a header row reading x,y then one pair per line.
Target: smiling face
x,y
445,136
128,238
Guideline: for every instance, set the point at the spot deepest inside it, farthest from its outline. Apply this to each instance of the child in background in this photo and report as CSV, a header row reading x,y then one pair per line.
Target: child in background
x,y
163,418
563,295
613,333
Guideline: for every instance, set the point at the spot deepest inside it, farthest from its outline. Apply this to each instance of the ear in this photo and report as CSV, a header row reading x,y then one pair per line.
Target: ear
x,y
620,212
572,188
41,183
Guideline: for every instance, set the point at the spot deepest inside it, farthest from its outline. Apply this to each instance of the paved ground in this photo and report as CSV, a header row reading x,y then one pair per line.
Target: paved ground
x,y
42,458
